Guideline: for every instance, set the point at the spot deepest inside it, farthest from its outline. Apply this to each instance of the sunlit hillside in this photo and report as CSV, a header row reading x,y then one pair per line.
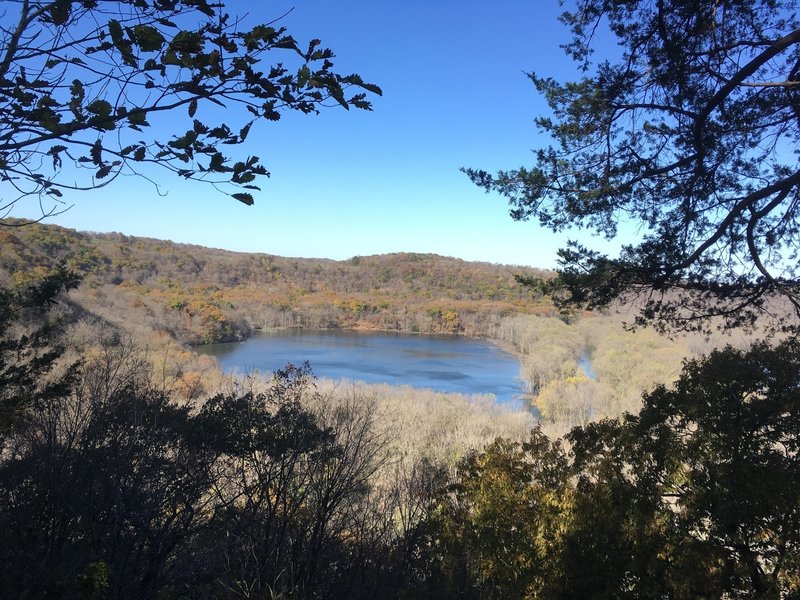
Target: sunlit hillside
x,y
578,368
202,295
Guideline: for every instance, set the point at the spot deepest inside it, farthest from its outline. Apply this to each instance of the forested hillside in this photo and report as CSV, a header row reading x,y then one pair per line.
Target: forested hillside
x,y
168,296
202,295
662,468
114,485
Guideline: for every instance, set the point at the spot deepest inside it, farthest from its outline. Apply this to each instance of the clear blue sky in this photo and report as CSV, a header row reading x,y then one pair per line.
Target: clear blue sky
x,y
359,183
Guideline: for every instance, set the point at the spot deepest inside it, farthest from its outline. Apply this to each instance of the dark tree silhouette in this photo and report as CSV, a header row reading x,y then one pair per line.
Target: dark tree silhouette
x,y
692,134
81,81
28,346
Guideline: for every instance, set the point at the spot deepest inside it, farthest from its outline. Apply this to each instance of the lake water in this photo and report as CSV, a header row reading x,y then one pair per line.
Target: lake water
x,y
442,363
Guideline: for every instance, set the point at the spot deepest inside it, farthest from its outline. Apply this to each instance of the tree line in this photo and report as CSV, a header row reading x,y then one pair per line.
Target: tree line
x,y
201,295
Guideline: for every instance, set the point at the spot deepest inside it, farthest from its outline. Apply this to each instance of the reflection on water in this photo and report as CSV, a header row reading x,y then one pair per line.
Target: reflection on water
x,y
443,363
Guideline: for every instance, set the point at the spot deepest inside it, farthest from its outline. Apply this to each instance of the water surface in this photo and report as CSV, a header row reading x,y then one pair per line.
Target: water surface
x,y
442,363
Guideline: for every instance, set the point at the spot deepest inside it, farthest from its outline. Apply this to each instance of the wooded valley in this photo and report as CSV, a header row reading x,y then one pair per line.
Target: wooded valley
x,y
641,466
121,478
168,296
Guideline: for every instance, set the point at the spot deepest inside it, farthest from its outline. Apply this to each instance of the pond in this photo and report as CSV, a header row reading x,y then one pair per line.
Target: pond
x,y
442,363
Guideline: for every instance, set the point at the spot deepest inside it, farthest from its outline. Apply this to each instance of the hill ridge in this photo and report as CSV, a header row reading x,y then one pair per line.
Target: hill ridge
x,y
199,294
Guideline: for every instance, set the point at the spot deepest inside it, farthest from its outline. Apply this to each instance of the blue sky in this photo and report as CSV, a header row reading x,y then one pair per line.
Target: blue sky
x,y
359,183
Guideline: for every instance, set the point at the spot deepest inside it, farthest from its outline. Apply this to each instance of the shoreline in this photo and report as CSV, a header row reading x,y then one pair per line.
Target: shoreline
x,y
525,399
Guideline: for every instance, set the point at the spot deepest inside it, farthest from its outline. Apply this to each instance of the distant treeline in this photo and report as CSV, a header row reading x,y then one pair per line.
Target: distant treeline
x,y
203,295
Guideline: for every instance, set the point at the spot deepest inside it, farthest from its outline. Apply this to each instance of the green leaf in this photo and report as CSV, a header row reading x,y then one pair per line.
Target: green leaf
x,y
356,80
137,117
371,87
303,75
60,11
247,177
337,94
217,163
76,89
183,142
203,6
97,152
260,34
220,132
100,107
148,38
55,152
244,197
170,58
244,131
115,29
187,41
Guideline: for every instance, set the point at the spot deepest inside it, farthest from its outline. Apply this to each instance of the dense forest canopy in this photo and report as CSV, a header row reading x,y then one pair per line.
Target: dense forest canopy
x,y
692,134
